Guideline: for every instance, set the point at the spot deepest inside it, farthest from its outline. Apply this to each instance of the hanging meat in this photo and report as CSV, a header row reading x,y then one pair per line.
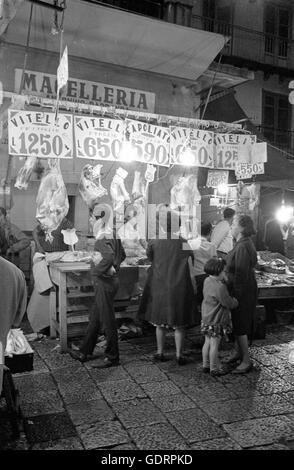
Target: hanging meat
x,y
52,200
118,192
24,174
139,187
90,186
185,193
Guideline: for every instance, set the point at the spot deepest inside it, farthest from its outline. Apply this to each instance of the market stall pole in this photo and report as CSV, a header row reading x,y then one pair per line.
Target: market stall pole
x,y
73,282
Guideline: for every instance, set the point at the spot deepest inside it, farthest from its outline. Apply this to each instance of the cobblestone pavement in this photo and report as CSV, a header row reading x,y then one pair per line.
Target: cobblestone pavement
x,y
143,405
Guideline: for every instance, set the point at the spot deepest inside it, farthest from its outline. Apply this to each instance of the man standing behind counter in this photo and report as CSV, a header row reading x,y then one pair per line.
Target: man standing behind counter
x,y
221,235
104,270
12,239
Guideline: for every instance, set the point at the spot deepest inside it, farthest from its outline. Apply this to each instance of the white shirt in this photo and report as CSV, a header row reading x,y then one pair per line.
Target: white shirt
x,y
222,237
203,250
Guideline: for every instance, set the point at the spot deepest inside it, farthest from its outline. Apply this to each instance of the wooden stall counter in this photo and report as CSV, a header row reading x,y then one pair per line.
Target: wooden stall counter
x,y
70,302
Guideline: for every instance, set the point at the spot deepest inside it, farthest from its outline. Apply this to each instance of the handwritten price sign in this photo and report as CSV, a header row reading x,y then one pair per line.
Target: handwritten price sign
x,y
98,138
247,170
216,178
200,142
150,142
228,148
37,134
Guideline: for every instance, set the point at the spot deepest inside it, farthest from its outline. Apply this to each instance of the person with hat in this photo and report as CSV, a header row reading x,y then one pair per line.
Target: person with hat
x,y
109,254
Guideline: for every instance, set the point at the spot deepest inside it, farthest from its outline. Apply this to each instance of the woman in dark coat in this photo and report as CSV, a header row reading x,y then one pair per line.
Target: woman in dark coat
x,y
171,295
241,262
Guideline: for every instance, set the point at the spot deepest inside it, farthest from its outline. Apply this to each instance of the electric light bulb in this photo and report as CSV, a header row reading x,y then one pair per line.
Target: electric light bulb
x,y
222,189
187,157
284,214
128,152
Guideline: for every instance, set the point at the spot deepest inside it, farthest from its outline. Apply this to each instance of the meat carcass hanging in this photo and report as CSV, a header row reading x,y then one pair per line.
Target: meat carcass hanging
x,y
90,186
185,193
118,192
24,173
52,200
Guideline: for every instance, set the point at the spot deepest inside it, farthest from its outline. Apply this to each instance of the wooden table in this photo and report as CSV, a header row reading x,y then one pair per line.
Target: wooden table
x,y
73,281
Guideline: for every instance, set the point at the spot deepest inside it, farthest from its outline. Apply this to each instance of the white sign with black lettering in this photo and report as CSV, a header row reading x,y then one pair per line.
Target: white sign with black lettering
x,y
198,142
247,170
37,134
216,178
98,138
227,149
96,93
150,142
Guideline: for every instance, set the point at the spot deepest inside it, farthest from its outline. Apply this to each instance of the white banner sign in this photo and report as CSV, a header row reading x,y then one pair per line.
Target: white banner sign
x,y
85,91
200,142
255,153
98,138
150,142
228,147
62,71
247,170
217,177
37,134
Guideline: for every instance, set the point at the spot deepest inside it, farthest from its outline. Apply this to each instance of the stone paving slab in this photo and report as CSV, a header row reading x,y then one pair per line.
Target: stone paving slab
x,y
288,395
268,387
71,443
138,413
90,412
76,385
145,373
178,402
216,444
262,431
49,351
229,411
41,403
195,425
157,437
160,388
49,427
205,396
31,384
99,434
121,390
108,375
270,447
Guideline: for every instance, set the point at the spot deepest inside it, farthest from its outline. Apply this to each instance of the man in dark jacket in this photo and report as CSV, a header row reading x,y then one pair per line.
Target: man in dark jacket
x,y
274,234
104,269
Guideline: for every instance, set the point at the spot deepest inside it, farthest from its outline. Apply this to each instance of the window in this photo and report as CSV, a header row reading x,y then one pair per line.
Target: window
x,y
277,23
217,19
276,119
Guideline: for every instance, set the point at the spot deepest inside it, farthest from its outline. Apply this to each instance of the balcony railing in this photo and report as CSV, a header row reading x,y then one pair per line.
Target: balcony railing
x,y
280,138
151,8
253,46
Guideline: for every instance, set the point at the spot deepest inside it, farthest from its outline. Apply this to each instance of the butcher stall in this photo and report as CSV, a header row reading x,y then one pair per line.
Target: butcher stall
x,y
136,164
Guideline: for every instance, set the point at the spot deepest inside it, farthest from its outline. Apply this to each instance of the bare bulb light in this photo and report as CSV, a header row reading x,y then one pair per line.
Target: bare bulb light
x,y
187,157
284,214
128,152
222,189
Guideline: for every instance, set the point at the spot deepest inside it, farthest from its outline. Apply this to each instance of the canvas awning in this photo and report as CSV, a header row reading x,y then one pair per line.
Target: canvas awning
x,y
118,37
227,109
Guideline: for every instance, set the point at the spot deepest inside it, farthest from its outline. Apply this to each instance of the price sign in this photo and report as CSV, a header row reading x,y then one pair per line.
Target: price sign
x,y
215,178
98,138
36,134
200,142
227,149
150,142
247,170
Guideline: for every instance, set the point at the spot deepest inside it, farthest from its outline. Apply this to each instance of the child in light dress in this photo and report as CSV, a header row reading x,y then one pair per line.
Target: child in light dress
x,y
215,314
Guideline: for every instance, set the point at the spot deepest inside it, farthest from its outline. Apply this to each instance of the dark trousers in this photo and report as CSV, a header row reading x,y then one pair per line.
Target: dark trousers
x,y
102,318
